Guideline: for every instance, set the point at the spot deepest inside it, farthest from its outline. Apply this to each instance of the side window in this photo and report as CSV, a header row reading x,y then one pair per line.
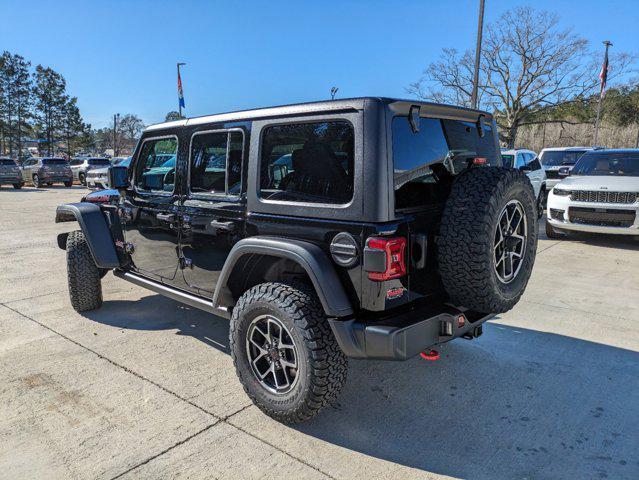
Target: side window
x,y
308,162
155,167
216,162
519,160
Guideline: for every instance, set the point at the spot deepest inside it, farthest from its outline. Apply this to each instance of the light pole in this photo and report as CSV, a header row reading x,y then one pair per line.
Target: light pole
x,y
180,91
604,77
116,117
480,28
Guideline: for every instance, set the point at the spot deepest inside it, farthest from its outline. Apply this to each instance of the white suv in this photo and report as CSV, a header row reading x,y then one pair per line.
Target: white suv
x,y
528,162
553,159
601,195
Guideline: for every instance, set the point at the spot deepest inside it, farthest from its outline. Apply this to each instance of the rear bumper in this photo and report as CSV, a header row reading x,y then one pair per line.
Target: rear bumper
x,y
404,336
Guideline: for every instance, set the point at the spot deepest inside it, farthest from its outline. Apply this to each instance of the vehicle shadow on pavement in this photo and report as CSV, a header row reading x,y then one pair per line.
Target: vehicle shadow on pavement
x,y
142,314
622,242
515,403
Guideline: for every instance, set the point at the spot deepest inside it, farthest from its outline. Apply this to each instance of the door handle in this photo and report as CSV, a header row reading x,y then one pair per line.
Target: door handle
x,y
166,217
222,226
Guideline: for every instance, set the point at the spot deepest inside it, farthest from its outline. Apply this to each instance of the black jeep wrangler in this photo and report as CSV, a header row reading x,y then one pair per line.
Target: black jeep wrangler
x,y
363,228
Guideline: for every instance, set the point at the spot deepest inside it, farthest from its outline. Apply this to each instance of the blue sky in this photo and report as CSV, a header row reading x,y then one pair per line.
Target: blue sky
x,y
120,56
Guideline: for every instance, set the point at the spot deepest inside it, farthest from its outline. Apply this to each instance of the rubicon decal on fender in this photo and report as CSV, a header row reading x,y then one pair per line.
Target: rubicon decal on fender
x,y
394,293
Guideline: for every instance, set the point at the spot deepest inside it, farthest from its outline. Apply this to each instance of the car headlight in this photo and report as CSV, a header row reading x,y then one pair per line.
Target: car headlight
x,y
561,192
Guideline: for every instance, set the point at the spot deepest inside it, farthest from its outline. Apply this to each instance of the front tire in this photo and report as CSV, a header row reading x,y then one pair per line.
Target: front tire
x,y
36,182
284,352
17,186
82,178
83,275
68,184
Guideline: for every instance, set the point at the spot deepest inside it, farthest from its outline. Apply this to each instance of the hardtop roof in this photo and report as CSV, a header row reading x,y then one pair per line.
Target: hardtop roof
x,y
346,104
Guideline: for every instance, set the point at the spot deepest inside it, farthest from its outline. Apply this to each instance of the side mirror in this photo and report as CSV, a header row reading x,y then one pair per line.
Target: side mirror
x,y
564,172
118,177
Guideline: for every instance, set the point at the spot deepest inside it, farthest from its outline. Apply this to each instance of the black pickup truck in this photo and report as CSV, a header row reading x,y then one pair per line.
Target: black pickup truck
x,y
364,228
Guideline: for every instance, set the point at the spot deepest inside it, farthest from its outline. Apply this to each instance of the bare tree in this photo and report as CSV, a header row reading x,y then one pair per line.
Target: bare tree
x,y
130,128
528,67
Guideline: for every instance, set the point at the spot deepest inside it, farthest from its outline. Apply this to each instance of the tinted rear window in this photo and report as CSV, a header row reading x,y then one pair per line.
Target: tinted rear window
x,y
452,142
7,161
54,161
99,161
508,160
555,159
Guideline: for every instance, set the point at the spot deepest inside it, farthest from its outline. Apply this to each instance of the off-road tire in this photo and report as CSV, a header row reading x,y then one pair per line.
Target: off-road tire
x,y
83,275
17,186
553,234
466,238
541,202
322,364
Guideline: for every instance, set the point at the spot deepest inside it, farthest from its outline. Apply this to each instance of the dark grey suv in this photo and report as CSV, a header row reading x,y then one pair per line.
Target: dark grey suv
x,y
47,171
10,173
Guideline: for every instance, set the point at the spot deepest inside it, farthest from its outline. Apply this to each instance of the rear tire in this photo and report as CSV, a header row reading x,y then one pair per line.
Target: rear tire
x,y
68,184
83,275
320,365
488,239
82,178
17,186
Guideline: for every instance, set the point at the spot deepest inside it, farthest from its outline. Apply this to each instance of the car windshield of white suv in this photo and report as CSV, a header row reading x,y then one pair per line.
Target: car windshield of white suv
x,y
625,164
54,161
559,158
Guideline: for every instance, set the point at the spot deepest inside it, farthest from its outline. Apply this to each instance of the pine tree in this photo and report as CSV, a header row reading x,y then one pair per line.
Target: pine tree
x,y
15,101
51,103
73,127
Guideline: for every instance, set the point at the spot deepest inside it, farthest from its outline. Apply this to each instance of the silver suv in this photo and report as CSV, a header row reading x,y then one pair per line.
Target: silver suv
x,y
81,165
46,171
10,173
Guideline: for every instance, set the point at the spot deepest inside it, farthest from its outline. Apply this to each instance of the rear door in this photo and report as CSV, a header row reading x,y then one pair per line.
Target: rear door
x,y
151,211
213,211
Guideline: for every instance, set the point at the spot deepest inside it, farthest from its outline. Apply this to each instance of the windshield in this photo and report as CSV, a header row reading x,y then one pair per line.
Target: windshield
x,y
508,160
624,164
125,162
169,163
99,161
7,161
558,158
54,161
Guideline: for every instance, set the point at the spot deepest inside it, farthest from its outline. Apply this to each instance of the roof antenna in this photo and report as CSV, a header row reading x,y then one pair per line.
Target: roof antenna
x,y
333,92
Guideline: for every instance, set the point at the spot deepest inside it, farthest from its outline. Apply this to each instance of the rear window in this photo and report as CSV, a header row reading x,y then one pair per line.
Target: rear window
x,y
54,161
99,161
308,162
508,160
7,161
558,158
454,143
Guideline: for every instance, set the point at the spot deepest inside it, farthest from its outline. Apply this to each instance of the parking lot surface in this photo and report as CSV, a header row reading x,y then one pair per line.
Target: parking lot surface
x,y
145,387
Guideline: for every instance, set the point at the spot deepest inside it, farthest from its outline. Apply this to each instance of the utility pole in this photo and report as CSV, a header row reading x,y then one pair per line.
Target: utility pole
x,y
604,77
480,28
180,91
116,117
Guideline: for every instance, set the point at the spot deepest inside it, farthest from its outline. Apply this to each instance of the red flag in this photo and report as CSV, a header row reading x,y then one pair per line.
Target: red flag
x,y
603,75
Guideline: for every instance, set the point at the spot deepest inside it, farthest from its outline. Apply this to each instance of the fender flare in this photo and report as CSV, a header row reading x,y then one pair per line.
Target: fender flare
x,y
95,228
309,256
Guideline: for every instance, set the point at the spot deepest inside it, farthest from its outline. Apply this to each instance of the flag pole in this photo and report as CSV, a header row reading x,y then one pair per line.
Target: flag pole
x,y
604,76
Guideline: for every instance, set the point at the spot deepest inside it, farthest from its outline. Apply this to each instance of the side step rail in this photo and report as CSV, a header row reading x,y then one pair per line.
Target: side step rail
x,y
173,293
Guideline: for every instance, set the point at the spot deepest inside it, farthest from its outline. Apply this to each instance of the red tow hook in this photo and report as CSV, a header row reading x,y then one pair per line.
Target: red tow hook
x,y
430,355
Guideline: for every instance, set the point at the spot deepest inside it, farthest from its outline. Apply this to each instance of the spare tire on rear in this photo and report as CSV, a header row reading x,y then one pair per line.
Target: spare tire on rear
x,y
488,239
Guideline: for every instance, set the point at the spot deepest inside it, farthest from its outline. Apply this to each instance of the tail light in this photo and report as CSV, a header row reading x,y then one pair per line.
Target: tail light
x,y
384,258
